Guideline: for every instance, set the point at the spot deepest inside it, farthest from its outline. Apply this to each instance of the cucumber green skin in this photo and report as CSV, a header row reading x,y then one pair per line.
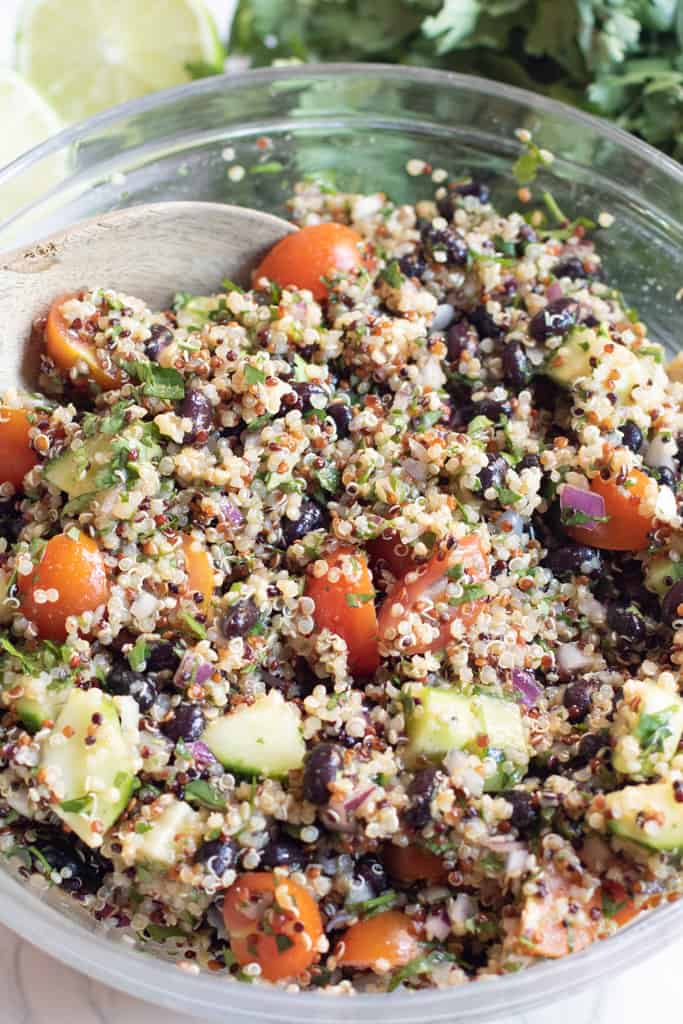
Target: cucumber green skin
x,y
659,797
67,470
449,720
262,740
660,575
32,713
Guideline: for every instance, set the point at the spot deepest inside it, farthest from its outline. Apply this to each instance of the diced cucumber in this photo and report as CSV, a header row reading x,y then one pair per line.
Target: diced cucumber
x,y
661,573
38,703
657,730
76,470
6,609
583,350
649,815
263,738
441,719
163,843
93,781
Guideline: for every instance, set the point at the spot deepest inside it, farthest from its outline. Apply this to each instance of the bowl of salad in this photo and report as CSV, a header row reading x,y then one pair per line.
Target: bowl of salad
x,y
340,606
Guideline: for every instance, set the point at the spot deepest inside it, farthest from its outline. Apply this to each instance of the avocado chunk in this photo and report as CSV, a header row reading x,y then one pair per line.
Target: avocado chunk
x,y
263,738
38,702
441,719
76,470
661,573
649,815
647,728
582,351
90,759
163,843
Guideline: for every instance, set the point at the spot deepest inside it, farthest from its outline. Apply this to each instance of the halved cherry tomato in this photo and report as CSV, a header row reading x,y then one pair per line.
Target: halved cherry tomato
x,y
76,570
380,943
17,457
274,922
622,908
303,258
626,529
67,346
547,927
414,864
387,551
428,587
199,568
345,604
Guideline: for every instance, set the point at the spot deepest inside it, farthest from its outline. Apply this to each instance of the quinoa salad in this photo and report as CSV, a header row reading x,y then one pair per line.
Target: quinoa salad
x,y
338,616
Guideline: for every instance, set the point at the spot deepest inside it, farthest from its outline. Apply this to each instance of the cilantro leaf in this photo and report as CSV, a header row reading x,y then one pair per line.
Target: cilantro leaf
x,y
158,381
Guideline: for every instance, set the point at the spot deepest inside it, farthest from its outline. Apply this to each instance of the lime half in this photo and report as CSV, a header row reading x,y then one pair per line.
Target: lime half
x,y
26,120
85,55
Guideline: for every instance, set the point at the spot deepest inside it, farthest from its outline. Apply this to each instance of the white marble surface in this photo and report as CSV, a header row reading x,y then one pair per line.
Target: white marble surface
x,y
34,989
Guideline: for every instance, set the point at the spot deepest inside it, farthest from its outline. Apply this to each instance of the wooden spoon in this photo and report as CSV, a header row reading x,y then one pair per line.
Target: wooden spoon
x,y
147,251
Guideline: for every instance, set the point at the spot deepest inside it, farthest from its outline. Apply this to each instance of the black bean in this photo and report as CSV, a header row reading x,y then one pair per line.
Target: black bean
x,y
524,810
673,600
529,461
124,682
160,338
556,319
488,407
342,415
197,408
446,207
590,746
306,391
589,320
571,267
460,339
484,324
412,266
631,436
421,791
474,188
665,476
494,474
437,241
574,559
240,618
515,366
284,851
626,621
311,517
306,679
186,724
218,855
546,392
372,872
163,657
87,868
321,767
577,699
11,522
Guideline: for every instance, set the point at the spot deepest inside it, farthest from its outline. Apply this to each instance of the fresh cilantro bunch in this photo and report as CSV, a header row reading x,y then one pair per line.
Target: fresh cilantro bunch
x,y
621,59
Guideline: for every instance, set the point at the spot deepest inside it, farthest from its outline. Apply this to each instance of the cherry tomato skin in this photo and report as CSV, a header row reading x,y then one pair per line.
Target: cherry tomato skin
x,y
17,457
302,259
345,606
66,347
76,570
258,908
199,569
626,529
414,864
382,942
429,585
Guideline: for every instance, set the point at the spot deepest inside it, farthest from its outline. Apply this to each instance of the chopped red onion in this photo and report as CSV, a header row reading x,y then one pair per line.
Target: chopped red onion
x,y
231,514
588,503
554,291
192,669
525,683
201,754
355,801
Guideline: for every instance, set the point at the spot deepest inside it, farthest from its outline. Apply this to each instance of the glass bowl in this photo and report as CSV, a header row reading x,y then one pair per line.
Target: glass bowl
x,y
246,139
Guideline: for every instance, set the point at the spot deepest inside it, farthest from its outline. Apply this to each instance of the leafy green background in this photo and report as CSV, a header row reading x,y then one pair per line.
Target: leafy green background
x,y
622,59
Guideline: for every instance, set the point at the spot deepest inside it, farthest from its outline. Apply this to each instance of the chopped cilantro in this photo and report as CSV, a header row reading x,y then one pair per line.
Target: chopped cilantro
x,y
158,381
78,804
204,794
356,600
253,375
392,274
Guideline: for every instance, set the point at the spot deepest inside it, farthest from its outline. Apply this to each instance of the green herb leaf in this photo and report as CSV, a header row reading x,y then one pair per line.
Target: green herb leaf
x,y
253,375
138,655
270,167
78,805
470,592
204,793
194,625
159,381
392,274
653,729
158,933
358,600
367,908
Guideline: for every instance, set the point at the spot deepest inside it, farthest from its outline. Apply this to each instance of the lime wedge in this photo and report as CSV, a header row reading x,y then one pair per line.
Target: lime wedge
x,y
26,120
85,55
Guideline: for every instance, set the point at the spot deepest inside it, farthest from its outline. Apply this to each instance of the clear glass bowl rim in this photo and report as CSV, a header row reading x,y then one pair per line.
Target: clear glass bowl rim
x,y
149,978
